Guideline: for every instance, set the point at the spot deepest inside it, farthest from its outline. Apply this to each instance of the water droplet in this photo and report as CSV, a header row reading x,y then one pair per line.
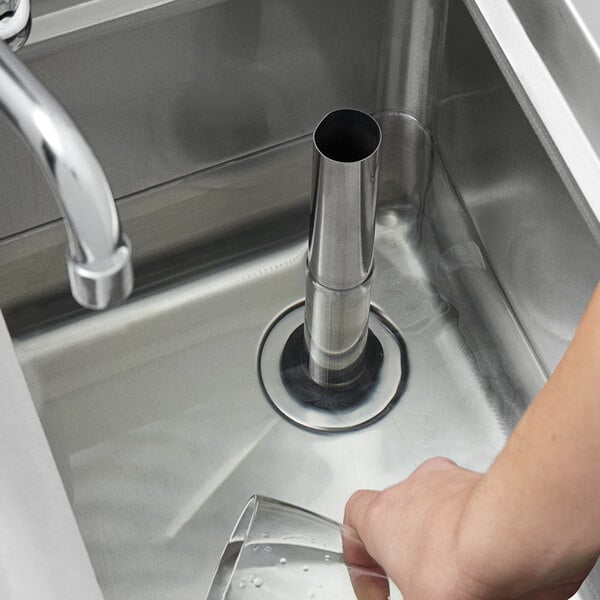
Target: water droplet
x,y
242,585
268,549
327,558
252,578
305,568
257,582
265,534
283,560
311,595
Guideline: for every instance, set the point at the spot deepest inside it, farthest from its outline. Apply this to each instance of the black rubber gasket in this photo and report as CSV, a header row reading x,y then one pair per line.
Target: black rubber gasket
x,y
294,375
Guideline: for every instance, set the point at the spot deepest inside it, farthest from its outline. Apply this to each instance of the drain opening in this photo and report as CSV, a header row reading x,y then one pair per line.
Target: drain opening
x,y
284,375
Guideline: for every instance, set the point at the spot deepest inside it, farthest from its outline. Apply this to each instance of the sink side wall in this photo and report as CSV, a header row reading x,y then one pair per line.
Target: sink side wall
x,y
159,99
536,240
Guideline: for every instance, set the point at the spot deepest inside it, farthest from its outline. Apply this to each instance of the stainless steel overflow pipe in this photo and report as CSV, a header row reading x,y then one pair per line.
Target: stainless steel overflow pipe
x,y
341,243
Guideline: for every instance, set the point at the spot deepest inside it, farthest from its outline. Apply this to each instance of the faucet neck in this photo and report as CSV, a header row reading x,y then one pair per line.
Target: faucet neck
x,y
98,260
15,22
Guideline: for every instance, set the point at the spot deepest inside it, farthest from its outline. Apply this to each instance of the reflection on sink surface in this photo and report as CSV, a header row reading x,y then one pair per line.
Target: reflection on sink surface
x,y
154,410
161,430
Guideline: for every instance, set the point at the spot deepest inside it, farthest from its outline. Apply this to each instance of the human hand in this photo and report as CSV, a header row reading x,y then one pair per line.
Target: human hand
x,y
413,531
369,580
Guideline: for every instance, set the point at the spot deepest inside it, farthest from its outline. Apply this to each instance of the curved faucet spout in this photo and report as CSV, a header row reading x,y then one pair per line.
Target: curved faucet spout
x,y
15,22
99,257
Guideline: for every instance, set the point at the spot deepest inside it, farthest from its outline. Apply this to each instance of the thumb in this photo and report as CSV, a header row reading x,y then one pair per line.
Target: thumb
x,y
357,509
358,512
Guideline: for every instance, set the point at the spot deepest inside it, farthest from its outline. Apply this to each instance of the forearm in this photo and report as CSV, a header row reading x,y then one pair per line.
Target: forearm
x,y
536,513
529,528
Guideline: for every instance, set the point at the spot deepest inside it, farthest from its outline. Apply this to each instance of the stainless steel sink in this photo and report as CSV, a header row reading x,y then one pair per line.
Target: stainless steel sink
x,y
154,410
159,425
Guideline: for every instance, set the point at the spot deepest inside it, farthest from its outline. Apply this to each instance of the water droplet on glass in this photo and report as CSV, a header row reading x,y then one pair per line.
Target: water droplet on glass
x,y
311,595
257,582
327,558
283,560
242,585
265,534
252,578
305,568
268,549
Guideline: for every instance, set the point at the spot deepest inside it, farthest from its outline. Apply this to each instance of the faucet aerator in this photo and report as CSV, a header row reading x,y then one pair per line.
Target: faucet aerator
x,y
110,285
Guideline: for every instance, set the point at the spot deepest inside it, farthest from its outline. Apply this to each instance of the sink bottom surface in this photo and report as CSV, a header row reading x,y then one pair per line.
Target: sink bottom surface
x,y
161,430
165,432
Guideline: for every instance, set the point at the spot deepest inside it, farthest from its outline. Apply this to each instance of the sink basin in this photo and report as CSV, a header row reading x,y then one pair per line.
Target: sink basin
x,y
154,410
160,427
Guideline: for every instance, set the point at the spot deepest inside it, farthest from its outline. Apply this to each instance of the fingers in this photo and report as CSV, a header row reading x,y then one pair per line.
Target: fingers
x,y
364,505
357,508
360,543
355,553
439,462
407,527
369,586
368,579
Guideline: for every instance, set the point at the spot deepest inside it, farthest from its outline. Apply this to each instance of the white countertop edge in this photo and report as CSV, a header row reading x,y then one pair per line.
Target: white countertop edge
x,y
42,554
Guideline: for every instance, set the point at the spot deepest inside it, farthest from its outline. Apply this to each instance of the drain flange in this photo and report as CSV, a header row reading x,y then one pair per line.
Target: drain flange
x,y
301,401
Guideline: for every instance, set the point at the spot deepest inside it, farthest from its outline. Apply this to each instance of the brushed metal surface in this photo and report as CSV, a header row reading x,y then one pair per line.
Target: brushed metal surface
x,y
536,239
124,395
567,33
345,174
41,7
176,89
159,425
344,198
208,217
181,228
336,328
536,74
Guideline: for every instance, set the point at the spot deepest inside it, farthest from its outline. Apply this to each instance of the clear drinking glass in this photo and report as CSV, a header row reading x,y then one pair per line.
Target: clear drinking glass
x,y
278,551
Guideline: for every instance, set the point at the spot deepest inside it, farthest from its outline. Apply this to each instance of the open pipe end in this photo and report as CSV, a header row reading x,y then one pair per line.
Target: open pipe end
x,y
344,190
347,135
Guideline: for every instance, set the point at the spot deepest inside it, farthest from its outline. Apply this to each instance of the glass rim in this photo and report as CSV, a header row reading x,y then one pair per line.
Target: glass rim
x,y
230,556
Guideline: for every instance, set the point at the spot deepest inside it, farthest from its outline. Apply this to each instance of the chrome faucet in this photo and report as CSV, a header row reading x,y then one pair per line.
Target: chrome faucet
x,y
99,255
15,22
